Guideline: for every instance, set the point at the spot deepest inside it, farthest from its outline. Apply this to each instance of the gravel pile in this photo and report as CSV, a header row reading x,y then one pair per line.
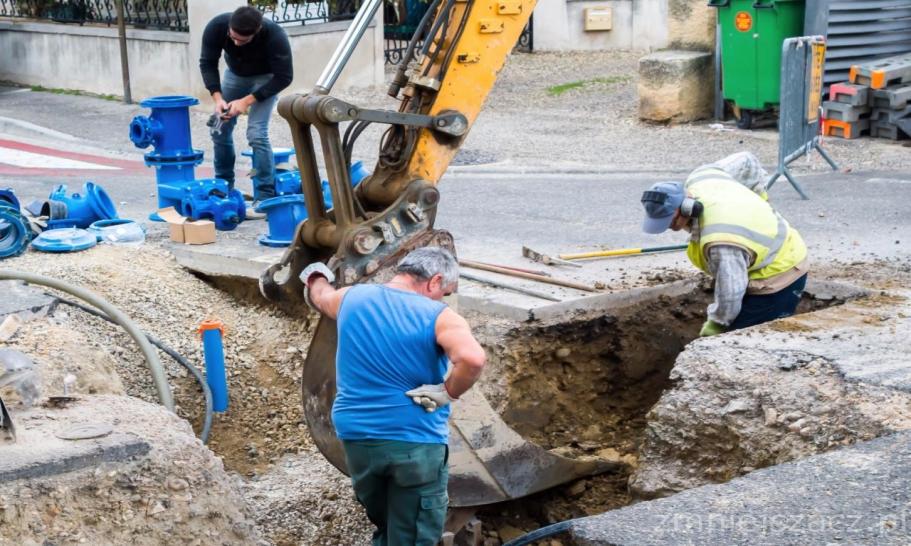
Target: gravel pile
x,y
292,506
264,348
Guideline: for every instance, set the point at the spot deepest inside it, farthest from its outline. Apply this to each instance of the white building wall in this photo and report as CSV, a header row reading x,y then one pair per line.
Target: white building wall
x,y
637,24
87,58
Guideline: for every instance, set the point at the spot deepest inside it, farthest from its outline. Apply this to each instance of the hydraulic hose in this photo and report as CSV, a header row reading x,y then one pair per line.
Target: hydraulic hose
x,y
206,391
151,357
543,532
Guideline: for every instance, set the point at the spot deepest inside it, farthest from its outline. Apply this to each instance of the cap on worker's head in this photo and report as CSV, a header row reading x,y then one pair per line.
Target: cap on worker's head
x,y
661,201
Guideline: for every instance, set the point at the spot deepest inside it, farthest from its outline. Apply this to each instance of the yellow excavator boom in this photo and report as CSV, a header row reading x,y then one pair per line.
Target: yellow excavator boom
x,y
445,76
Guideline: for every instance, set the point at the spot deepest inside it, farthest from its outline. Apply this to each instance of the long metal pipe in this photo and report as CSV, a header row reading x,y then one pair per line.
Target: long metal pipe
x,y
344,50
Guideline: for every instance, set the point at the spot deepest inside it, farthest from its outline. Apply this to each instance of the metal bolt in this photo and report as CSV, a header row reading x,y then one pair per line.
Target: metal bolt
x,y
350,275
371,267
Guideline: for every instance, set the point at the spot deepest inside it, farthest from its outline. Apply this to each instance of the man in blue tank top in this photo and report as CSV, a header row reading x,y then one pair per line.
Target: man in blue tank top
x,y
391,408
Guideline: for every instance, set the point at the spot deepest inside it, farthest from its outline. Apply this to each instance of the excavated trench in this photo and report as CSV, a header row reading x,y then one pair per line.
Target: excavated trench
x,y
580,386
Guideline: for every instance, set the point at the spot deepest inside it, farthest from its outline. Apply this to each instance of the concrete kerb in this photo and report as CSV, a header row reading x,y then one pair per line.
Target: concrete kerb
x,y
10,125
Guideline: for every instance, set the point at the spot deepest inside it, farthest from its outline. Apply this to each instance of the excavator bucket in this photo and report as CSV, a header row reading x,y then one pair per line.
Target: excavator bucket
x,y
488,463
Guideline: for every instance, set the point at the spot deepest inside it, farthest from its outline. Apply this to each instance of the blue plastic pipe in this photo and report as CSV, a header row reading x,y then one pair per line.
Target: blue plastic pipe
x,y
214,352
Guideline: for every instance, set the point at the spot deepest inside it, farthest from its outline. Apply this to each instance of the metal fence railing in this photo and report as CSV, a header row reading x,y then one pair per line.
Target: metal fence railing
x,y
150,14
802,62
306,12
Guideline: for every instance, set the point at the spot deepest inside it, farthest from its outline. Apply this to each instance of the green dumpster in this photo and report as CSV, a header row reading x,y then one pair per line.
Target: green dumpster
x,y
752,33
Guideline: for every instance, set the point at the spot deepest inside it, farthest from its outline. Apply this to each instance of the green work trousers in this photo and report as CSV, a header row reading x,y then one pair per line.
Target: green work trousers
x,y
402,486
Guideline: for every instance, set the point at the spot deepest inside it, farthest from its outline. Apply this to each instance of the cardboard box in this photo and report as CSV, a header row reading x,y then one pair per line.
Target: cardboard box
x,y
184,230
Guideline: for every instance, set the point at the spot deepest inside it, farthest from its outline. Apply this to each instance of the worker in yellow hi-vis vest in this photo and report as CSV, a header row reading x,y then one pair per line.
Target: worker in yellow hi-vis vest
x,y
758,261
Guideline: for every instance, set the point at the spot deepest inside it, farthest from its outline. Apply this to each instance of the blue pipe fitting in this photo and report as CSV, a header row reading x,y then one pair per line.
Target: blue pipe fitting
x,y
167,128
358,172
214,351
280,156
210,199
285,211
15,231
78,210
283,214
288,183
8,197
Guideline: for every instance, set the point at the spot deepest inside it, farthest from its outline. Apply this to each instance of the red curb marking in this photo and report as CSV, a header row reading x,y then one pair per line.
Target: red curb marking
x,y
131,166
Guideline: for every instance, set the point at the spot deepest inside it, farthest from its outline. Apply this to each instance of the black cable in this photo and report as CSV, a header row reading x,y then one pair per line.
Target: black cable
x,y
444,16
206,391
442,34
418,33
447,60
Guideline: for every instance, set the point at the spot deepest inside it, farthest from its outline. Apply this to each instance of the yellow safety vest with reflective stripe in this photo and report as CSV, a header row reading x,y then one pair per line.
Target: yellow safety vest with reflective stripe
x,y
732,214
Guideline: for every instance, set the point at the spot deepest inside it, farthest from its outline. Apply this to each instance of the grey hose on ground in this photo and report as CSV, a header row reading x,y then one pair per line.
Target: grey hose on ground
x,y
151,357
200,378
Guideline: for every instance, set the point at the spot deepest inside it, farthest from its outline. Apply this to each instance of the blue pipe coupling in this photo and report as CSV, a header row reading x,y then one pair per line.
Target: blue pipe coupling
x,y
214,351
15,231
8,197
78,210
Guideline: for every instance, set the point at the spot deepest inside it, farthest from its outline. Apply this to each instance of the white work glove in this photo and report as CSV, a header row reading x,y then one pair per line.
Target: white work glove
x,y
316,269
431,397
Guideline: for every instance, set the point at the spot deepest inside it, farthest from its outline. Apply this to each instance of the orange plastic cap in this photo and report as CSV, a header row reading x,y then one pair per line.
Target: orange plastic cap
x,y
211,324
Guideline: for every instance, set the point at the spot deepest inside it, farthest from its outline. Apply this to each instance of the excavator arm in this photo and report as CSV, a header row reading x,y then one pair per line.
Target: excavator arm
x,y
446,74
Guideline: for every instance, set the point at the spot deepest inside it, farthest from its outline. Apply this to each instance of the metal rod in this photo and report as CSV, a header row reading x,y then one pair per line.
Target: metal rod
x,y
529,276
124,59
522,269
346,47
621,252
498,284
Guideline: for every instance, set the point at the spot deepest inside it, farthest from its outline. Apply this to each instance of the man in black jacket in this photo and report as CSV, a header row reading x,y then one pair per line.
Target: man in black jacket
x,y
258,56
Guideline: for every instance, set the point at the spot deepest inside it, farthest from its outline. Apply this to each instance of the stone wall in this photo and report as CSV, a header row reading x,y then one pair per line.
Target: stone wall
x,y
87,58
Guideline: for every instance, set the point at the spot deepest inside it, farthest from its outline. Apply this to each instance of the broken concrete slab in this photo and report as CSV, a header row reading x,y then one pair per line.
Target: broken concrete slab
x,y
22,299
31,458
855,495
676,86
780,391
149,478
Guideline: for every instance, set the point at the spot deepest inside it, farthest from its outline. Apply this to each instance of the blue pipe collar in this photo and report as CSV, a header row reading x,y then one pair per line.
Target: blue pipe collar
x,y
64,240
267,204
169,101
15,232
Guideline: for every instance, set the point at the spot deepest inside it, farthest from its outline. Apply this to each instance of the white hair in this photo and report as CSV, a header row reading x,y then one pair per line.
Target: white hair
x,y
426,262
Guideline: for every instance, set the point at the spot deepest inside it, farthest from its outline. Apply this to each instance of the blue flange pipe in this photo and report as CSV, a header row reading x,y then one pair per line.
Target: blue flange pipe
x,y
214,352
283,214
286,211
167,128
78,210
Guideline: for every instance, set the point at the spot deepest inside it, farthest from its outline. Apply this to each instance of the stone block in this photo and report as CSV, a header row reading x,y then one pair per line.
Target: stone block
x,y
691,25
676,86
